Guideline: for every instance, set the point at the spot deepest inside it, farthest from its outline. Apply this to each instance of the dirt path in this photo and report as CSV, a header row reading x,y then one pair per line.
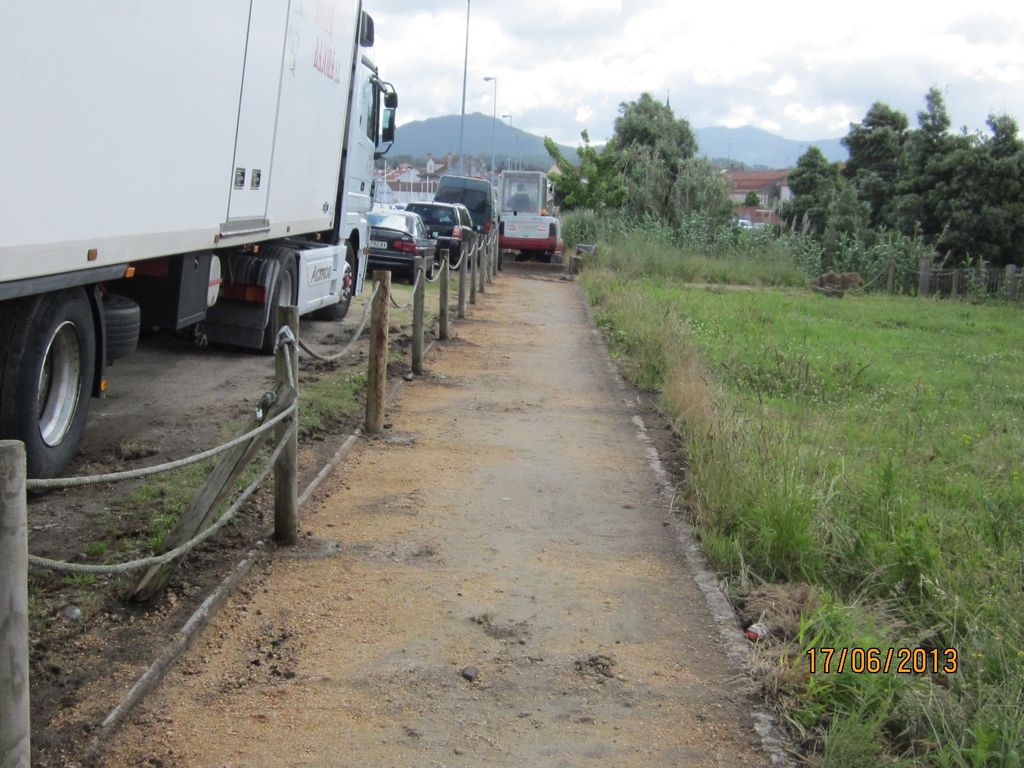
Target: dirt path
x,y
509,528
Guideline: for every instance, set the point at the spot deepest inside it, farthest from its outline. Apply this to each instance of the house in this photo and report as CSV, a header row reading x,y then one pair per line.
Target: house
x,y
771,187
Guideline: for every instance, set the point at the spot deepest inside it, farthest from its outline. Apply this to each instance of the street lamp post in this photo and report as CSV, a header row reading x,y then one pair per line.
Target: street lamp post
x,y
494,119
462,120
508,144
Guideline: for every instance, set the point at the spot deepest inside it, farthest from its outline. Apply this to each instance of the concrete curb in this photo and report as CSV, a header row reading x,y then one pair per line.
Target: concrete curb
x,y
188,632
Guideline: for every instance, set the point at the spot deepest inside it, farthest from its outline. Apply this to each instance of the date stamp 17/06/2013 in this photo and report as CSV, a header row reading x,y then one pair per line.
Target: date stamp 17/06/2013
x,y
902,661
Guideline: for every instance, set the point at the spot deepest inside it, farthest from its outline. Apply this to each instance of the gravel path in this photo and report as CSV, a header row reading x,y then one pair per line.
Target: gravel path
x,y
495,582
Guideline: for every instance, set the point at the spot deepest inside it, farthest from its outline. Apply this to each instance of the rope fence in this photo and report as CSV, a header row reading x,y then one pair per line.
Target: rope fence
x,y
173,554
415,287
199,521
351,342
135,474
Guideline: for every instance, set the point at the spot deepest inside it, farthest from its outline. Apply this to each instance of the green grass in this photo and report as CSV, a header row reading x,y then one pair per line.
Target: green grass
x,y
871,446
328,400
746,259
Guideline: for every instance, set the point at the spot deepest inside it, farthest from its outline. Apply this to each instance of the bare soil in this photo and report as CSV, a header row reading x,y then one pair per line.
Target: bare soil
x,y
495,581
169,400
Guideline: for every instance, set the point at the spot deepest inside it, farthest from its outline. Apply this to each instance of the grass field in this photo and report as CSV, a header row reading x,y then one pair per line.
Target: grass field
x,y
870,446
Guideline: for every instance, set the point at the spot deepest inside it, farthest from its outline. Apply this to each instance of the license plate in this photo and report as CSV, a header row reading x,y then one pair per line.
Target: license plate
x,y
379,244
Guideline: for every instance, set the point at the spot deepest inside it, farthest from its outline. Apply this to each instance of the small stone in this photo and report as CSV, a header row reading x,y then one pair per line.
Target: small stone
x,y
470,673
458,751
73,612
408,376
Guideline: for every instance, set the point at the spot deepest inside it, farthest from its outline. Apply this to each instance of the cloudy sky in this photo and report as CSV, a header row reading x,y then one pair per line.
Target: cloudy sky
x,y
800,69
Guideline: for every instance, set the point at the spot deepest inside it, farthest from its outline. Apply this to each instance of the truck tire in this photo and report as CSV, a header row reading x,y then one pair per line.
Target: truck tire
x,y
46,372
283,293
336,312
121,320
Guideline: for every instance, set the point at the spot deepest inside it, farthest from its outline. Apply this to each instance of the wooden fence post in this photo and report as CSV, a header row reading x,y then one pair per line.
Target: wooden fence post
x,y
286,470
15,731
442,318
474,267
377,366
463,275
1011,281
957,279
924,276
419,296
490,261
482,273
890,278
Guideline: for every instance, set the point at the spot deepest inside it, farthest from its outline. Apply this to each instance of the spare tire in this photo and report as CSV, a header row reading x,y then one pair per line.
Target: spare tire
x,y
122,319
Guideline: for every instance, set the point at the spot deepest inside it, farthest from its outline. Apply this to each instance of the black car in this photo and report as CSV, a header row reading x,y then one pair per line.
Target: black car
x,y
396,239
476,194
448,223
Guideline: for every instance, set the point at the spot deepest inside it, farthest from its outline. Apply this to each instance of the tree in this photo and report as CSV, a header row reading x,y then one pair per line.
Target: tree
x,y
647,122
752,199
596,184
656,148
876,149
813,182
986,220
924,192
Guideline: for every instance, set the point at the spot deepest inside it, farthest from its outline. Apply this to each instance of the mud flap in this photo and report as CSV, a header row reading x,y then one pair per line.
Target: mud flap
x,y
242,323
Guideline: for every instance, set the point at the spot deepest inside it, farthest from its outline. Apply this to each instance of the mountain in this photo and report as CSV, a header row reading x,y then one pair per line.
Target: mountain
x,y
439,136
755,147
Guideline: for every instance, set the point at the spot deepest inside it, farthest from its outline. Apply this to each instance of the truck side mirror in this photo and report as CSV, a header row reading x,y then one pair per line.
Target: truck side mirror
x,y
366,30
391,100
387,130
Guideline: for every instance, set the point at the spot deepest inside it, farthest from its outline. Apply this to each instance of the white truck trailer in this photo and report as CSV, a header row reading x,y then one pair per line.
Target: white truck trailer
x,y
527,226
184,165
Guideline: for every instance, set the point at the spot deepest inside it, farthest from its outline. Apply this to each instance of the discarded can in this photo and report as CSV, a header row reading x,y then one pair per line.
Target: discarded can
x,y
756,632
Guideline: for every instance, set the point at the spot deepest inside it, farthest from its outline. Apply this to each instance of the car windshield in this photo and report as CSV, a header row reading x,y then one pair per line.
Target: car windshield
x,y
390,220
434,214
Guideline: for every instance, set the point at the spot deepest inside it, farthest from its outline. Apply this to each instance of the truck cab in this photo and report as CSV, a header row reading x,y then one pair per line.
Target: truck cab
x,y
528,229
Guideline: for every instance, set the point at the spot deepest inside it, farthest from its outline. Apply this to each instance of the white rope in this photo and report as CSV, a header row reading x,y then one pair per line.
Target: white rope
x,y
415,287
352,341
183,549
437,275
114,477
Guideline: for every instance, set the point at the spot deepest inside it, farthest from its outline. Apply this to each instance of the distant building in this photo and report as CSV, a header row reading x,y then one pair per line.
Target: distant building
x,y
771,187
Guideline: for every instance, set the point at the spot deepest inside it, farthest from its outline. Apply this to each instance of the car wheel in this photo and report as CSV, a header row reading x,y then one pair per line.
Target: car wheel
x,y
46,371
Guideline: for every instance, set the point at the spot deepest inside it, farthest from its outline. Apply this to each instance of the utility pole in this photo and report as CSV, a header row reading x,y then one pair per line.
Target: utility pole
x,y
462,120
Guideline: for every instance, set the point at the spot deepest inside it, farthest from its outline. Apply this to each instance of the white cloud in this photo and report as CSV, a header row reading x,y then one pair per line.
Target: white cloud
x,y
791,69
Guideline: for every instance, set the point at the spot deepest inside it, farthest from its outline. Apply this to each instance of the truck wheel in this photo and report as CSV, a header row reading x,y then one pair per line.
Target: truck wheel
x,y
46,372
283,295
336,312
121,321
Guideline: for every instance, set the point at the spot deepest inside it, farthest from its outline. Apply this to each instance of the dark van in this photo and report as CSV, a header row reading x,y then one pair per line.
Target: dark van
x,y
476,194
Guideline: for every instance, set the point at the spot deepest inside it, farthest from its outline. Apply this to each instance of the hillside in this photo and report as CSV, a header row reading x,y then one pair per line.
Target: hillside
x,y
439,136
756,147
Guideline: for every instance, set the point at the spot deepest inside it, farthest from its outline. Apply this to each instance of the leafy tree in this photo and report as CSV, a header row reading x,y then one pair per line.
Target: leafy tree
x,y
647,122
596,183
813,182
752,199
876,149
925,192
986,220
662,177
